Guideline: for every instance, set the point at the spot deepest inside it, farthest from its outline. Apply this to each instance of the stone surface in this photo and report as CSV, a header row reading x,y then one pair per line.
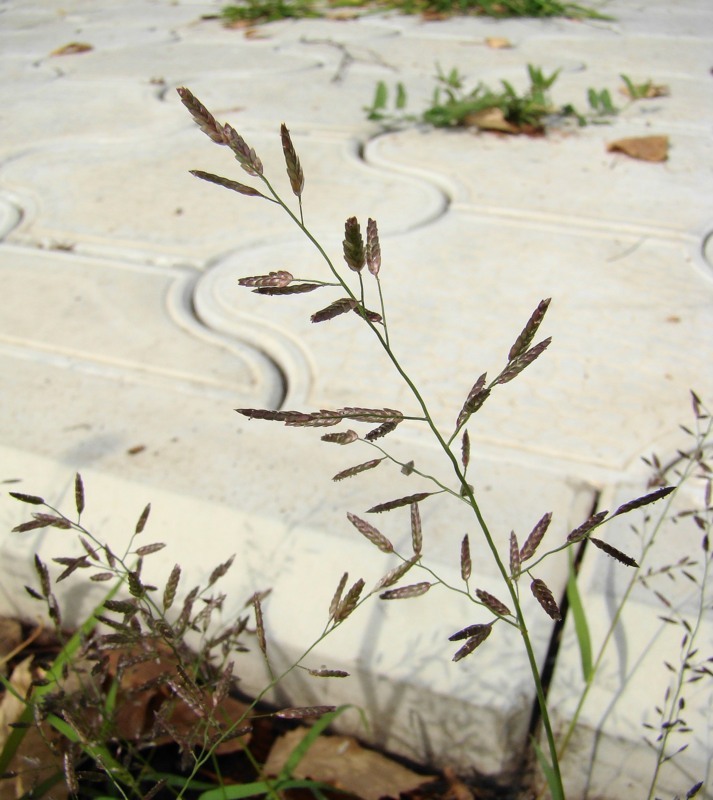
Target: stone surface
x,y
126,342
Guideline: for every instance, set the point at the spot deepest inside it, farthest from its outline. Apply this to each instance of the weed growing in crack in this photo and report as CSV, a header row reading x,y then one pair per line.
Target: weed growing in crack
x,y
495,8
505,110
690,469
668,737
360,296
126,684
260,11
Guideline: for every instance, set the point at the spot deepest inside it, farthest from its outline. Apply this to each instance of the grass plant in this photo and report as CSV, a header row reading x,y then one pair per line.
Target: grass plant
x,y
504,110
691,469
78,702
494,8
360,297
261,11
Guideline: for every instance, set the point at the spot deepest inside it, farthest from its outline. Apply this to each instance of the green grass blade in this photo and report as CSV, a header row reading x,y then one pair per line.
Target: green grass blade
x,y
97,752
381,96
65,656
260,788
41,788
314,732
580,622
549,773
401,98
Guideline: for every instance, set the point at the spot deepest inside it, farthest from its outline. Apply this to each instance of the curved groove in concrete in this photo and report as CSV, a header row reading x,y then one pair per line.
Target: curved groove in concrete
x,y
10,216
456,200
183,308
278,352
441,186
705,254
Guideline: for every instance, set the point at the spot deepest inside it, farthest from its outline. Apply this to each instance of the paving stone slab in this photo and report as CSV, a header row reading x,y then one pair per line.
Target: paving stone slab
x,y
398,652
83,108
634,674
458,292
89,321
9,216
183,59
137,197
564,176
660,17
36,44
102,416
331,98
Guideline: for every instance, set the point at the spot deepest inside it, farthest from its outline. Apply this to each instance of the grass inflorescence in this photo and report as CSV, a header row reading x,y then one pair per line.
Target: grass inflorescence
x,y
132,652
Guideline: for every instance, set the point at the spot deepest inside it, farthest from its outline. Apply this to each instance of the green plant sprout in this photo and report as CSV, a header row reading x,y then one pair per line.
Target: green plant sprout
x,y
495,8
260,11
505,110
643,91
601,104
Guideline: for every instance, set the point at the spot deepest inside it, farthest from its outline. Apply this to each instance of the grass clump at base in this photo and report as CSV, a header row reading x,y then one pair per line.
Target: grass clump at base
x,y
261,11
497,9
258,11
503,110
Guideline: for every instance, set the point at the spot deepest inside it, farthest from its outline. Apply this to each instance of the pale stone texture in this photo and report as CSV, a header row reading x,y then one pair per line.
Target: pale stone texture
x,y
126,343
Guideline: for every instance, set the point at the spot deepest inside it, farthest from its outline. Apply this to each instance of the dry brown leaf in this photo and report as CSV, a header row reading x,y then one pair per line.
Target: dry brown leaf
x,y
643,148
344,15
457,790
343,763
252,32
72,49
434,16
498,42
10,639
490,119
33,748
10,707
136,707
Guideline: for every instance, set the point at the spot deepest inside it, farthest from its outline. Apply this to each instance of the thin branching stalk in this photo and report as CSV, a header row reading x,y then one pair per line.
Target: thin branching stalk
x,y
664,515
444,445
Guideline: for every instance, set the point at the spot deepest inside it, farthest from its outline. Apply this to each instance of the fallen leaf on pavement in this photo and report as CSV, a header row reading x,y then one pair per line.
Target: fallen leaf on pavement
x,y
10,639
342,762
137,704
643,148
490,119
457,790
33,749
498,42
71,49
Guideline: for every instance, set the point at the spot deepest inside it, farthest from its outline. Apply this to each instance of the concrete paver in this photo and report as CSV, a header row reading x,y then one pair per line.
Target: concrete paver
x,y
125,341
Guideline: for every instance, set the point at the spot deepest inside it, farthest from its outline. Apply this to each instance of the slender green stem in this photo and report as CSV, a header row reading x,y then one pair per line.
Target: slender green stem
x,y
673,705
414,470
664,515
383,310
203,757
542,701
